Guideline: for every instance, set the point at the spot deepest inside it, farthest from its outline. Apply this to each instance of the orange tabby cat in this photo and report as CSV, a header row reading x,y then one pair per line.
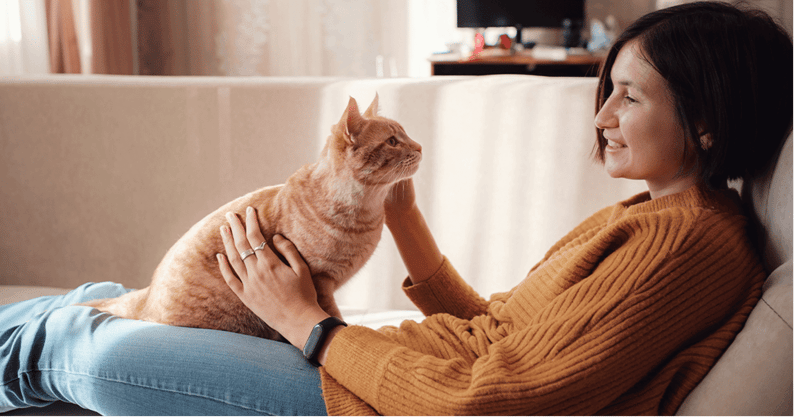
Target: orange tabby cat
x,y
332,210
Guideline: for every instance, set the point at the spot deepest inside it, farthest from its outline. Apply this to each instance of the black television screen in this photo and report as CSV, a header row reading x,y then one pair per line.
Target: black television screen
x,y
525,13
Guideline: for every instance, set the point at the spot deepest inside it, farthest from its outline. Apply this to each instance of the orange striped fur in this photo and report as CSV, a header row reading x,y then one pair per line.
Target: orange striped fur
x,y
332,210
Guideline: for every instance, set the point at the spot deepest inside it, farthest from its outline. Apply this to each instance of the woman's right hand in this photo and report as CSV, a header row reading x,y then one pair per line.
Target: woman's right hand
x,y
413,238
400,200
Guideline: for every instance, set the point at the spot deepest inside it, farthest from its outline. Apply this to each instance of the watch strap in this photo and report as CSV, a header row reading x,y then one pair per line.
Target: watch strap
x,y
318,336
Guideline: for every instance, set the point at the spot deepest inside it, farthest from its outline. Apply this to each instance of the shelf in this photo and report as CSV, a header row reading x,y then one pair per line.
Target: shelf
x,y
524,62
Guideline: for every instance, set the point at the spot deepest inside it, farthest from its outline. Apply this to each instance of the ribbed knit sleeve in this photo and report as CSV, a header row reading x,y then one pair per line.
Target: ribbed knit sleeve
x,y
446,292
623,319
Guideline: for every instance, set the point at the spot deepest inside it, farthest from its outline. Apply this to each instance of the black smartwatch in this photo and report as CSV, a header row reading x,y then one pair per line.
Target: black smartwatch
x,y
317,337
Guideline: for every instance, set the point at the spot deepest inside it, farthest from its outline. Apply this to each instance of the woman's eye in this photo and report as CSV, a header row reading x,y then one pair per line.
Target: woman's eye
x,y
630,99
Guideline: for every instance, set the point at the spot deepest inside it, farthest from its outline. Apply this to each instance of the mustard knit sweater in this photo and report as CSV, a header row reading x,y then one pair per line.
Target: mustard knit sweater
x,y
624,315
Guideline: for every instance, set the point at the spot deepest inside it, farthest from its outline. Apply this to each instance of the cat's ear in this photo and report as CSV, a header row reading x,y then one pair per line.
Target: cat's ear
x,y
370,113
351,122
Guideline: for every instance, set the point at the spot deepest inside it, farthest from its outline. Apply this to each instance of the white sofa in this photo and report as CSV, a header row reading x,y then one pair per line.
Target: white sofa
x,y
99,175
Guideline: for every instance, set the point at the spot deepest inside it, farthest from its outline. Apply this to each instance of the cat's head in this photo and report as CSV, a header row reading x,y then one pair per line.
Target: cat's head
x,y
375,149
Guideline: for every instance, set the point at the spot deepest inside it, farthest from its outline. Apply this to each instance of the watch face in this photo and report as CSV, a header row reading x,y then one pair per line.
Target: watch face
x,y
312,341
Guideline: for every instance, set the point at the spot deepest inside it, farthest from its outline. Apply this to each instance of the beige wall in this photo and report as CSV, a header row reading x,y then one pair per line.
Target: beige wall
x,y
626,11
782,10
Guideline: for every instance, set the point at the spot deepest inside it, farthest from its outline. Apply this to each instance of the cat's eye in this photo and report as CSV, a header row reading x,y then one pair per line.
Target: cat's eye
x,y
392,141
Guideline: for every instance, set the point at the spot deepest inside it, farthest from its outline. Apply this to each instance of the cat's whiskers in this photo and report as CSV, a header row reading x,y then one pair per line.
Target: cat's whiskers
x,y
398,173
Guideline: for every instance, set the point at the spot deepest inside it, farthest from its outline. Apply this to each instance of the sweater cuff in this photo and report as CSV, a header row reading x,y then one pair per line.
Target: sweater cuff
x,y
358,358
445,292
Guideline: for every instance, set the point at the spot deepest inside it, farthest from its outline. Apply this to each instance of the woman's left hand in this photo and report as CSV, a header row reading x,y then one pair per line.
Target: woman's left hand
x,y
281,295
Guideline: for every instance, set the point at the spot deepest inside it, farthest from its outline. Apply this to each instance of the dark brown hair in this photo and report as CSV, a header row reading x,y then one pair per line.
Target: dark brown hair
x,y
730,71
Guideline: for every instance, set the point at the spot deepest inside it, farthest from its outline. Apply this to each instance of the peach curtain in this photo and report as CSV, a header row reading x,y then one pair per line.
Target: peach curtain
x,y
64,52
111,37
158,32
177,37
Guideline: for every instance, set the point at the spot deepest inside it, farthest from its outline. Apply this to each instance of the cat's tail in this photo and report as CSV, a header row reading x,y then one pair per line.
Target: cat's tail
x,y
130,305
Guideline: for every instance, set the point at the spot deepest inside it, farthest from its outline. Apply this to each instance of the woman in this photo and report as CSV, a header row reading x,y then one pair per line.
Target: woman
x,y
624,315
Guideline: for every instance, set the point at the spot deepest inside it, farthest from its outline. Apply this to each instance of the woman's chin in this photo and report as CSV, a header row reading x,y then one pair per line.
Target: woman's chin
x,y
614,172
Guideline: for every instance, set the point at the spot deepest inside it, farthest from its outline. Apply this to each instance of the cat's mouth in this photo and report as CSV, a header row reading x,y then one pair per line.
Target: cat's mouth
x,y
409,166
414,159
401,170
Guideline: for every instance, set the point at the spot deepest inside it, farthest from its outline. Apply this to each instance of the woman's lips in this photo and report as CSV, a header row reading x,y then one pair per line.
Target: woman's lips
x,y
613,145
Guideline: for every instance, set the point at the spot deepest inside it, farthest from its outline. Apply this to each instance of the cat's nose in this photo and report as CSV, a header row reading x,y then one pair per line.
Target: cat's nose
x,y
417,147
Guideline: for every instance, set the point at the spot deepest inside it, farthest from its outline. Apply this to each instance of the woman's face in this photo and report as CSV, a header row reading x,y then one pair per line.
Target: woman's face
x,y
639,121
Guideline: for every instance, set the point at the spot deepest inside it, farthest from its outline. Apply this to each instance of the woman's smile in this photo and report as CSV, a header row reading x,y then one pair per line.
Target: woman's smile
x,y
614,146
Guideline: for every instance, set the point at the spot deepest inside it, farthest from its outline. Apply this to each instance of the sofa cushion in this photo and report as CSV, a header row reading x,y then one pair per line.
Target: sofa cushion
x,y
755,374
770,199
13,293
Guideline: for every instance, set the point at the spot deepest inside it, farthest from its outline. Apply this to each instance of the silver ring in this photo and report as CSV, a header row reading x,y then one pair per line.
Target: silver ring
x,y
260,247
245,254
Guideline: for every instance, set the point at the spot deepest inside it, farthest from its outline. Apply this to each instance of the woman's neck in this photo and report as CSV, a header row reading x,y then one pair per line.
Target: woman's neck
x,y
676,185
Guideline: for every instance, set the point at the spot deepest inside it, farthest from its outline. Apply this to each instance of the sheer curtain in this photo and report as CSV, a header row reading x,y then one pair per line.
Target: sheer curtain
x,y
23,37
350,38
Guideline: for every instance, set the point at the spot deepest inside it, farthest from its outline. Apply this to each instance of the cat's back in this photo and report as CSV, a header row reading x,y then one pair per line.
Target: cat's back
x,y
191,261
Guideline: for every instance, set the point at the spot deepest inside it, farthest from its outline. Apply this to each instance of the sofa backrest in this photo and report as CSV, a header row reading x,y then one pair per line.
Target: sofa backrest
x,y
113,169
755,374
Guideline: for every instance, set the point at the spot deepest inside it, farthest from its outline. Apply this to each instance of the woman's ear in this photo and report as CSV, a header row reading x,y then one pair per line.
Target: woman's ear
x,y
705,137
706,140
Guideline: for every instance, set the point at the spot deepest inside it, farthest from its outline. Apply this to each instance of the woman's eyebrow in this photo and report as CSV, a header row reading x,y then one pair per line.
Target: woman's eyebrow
x,y
630,84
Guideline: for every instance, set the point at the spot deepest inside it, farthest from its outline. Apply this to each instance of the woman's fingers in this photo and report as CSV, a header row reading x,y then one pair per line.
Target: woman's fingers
x,y
239,239
232,252
229,276
247,240
256,240
253,233
291,254
238,233
400,199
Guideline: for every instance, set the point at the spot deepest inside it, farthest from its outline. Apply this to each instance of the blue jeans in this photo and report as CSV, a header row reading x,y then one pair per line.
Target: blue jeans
x,y
52,351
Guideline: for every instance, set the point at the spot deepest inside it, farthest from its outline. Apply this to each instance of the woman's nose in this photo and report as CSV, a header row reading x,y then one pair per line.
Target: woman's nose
x,y
605,117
